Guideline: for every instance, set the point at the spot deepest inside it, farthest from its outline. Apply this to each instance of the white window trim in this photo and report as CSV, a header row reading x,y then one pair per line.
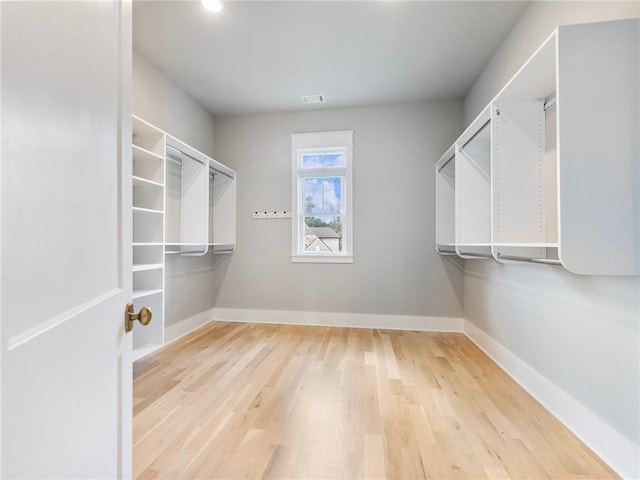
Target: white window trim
x,y
322,141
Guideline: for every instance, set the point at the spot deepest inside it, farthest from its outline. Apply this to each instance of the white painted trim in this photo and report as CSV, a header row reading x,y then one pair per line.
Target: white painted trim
x,y
332,319
188,325
139,353
621,454
2,353
177,331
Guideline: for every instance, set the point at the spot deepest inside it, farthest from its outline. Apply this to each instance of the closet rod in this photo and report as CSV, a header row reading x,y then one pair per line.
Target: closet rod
x,y
549,102
189,252
442,251
218,172
476,133
446,163
543,261
186,154
479,255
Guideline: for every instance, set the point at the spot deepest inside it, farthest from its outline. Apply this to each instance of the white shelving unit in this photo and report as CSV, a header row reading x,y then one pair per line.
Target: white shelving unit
x,y
183,203
148,232
446,201
473,189
222,208
187,199
548,172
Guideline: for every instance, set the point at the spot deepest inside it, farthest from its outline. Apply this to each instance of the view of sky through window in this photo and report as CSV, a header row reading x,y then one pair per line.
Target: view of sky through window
x,y
322,160
322,195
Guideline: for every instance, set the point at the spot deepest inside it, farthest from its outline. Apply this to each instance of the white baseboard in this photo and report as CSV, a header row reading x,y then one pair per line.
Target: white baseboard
x,y
616,450
331,319
182,328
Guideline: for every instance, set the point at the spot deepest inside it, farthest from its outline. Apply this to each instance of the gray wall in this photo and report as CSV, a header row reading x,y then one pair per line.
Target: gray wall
x,y
582,333
396,270
190,281
535,25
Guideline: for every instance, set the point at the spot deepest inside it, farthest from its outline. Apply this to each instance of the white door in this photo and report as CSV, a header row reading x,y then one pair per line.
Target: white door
x,y
65,239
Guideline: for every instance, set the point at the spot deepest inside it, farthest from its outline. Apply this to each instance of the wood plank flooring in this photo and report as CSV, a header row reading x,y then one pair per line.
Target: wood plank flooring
x,y
233,401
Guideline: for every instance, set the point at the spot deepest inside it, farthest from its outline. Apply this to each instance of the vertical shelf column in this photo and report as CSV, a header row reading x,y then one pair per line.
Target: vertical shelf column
x,y
148,145
187,228
473,189
222,208
519,201
445,203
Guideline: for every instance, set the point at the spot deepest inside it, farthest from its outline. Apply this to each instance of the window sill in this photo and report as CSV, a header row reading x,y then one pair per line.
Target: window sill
x,y
322,258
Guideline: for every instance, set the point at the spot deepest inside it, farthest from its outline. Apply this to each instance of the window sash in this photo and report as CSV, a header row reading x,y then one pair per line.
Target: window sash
x,y
328,242
304,152
302,199
339,142
342,214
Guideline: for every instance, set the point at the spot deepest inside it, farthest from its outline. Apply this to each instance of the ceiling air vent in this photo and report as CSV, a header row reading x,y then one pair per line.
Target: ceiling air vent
x,y
308,99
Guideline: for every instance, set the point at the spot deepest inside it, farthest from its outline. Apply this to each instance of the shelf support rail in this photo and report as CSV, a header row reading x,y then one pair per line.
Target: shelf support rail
x,y
443,251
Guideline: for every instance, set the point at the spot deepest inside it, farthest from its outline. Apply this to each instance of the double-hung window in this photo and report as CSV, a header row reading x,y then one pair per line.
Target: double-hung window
x,y
322,227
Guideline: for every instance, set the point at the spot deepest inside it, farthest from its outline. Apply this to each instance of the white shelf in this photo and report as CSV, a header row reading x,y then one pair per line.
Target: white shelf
x,y
547,173
143,153
146,293
147,210
148,244
148,266
141,182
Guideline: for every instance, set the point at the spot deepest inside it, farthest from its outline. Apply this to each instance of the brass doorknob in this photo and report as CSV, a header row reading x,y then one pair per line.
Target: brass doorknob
x,y
143,316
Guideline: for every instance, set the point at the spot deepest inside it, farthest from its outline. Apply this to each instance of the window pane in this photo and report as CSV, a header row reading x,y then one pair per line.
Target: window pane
x,y
321,160
323,234
322,195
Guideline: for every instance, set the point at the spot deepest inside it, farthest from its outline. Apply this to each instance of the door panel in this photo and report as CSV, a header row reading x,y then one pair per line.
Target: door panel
x,y
60,141
65,239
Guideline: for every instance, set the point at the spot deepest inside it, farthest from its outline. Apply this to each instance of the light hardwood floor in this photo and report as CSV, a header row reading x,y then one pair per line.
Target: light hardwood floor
x,y
270,401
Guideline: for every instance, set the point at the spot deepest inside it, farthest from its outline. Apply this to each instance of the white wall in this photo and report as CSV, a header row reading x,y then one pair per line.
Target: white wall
x,y
395,270
581,333
190,281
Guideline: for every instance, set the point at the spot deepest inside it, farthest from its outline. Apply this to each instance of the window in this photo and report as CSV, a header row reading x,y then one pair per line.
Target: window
x,y
322,197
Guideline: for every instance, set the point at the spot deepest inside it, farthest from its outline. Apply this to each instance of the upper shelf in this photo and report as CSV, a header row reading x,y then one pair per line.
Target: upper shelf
x,y
536,80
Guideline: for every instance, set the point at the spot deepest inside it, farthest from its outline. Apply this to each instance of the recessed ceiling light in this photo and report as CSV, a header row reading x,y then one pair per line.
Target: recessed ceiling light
x,y
307,99
213,5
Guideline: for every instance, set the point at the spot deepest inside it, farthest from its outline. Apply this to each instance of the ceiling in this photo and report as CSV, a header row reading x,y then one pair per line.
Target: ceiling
x,y
262,56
